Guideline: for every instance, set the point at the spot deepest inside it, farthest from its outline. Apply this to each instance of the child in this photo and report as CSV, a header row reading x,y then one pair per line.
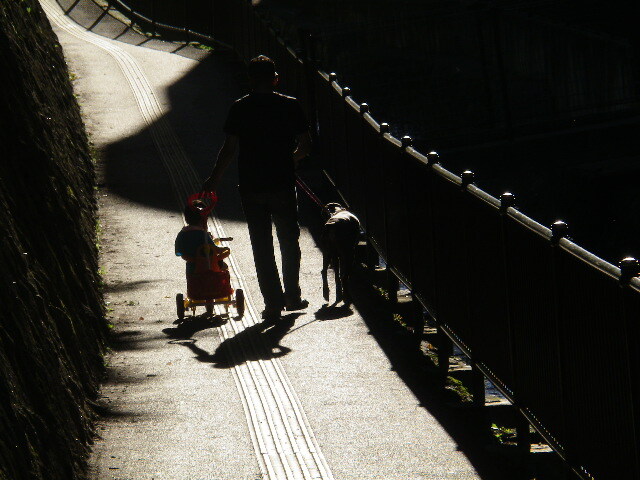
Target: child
x,y
207,277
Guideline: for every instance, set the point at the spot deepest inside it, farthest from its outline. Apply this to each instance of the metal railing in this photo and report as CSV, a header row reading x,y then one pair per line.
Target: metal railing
x,y
552,326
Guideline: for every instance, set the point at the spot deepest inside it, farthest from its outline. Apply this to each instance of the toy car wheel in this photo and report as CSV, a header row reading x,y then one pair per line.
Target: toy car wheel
x,y
240,303
180,305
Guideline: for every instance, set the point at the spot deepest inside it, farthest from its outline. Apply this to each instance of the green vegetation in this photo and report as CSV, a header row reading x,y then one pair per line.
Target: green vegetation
x,y
459,388
503,434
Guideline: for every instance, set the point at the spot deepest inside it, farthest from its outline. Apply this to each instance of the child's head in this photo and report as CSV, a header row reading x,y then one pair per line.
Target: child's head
x,y
192,215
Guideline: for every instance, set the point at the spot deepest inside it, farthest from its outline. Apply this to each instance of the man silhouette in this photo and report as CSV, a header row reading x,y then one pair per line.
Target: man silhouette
x,y
270,134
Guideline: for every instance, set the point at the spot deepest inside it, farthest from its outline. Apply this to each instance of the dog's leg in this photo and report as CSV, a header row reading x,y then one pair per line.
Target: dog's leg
x,y
337,273
325,282
345,273
346,268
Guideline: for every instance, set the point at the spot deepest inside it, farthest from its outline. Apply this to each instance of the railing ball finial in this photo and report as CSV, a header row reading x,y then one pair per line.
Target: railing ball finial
x,y
406,141
559,230
432,158
346,91
384,128
467,178
364,108
507,199
629,268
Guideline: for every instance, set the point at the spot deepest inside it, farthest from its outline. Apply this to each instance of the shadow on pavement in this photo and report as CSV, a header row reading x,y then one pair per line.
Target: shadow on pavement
x,y
467,428
199,102
185,329
257,342
126,286
333,312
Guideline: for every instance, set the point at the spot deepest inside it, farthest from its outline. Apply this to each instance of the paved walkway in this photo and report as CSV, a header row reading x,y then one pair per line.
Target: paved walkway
x,y
305,399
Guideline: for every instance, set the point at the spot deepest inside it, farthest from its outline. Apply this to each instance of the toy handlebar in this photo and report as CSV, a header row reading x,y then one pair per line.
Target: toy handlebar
x,y
205,210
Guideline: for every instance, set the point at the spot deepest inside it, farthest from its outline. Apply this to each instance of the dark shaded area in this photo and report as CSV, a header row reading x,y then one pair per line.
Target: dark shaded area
x,y
261,341
586,178
538,98
52,330
333,312
190,325
468,426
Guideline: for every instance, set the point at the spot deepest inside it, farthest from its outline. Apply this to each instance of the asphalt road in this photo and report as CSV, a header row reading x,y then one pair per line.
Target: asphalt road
x,y
309,397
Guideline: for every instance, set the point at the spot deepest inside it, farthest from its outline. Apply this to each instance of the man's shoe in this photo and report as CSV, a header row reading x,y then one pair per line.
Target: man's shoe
x,y
271,314
297,305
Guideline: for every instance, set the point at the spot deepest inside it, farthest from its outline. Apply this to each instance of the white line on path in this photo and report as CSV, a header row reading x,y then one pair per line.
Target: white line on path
x,y
283,441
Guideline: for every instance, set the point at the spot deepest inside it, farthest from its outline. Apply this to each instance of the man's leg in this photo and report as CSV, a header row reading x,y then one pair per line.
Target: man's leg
x,y
285,217
258,217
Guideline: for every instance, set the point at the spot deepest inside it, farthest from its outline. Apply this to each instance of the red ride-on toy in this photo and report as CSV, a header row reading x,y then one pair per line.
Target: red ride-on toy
x,y
208,279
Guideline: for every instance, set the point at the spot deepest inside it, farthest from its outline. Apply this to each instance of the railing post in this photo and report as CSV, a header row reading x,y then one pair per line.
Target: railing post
x,y
308,68
419,320
467,178
559,230
375,264
329,141
185,16
346,183
364,109
630,268
445,350
153,18
523,439
418,313
477,386
507,200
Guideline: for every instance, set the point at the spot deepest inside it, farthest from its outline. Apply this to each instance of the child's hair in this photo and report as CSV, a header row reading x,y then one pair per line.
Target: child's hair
x,y
192,215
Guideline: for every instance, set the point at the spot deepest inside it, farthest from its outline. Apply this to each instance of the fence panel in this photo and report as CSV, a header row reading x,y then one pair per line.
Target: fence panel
x,y
489,329
326,145
594,362
374,179
419,179
223,26
393,189
631,315
533,312
356,156
340,159
450,224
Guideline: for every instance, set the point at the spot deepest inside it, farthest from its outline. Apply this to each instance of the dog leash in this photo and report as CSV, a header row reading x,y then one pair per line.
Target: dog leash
x,y
305,188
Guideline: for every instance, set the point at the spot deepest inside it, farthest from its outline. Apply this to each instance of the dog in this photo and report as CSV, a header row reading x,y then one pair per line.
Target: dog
x,y
340,235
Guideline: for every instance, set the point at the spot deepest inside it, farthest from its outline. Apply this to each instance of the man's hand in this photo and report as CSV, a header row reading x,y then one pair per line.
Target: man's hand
x,y
225,156
303,149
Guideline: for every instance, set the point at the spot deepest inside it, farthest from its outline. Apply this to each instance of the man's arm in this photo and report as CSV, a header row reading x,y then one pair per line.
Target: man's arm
x,y
226,154
304,147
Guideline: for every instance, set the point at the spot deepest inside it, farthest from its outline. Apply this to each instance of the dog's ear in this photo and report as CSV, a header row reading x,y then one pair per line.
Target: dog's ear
x,y
332,208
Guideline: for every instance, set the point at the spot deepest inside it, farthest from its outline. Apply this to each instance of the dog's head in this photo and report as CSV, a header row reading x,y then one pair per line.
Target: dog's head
x,y
330,209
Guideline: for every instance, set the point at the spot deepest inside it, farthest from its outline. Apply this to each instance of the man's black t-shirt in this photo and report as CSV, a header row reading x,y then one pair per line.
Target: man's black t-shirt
x,y
267,125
